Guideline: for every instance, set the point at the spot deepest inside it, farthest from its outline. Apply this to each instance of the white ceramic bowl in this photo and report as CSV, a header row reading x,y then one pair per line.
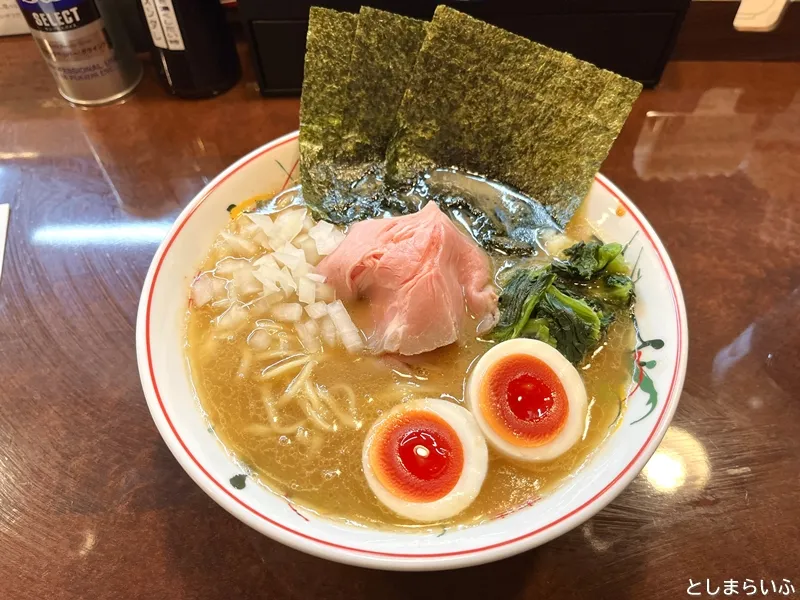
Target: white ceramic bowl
x,y
159,339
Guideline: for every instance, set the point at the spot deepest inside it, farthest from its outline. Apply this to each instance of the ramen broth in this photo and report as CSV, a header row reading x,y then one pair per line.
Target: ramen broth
x,y
244,398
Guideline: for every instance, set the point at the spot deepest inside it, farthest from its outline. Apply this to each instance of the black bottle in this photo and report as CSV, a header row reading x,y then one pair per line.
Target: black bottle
x,y
192,46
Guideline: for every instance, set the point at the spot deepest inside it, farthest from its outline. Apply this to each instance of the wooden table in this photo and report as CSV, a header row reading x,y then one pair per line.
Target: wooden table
x,y
92,504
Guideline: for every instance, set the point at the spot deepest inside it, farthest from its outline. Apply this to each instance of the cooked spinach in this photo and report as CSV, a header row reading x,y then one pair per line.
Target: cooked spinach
x,y
520,296
538,329
569,304
587,259
616,289
574,324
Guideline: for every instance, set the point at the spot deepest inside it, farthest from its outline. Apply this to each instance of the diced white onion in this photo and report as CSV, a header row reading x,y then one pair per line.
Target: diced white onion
x,y
347,330
302,269
329,243
246,283
320,229
308,333
261,306
287,225
220,289
325,292
239,244
247,229
287,312
308,223
309,247
317,278
261,238
264,222
326,237
227,266
265,260
306,290
295,251
259,339
328,330
269,276
203,290
317,310
233,318
312,327
286,282
287,260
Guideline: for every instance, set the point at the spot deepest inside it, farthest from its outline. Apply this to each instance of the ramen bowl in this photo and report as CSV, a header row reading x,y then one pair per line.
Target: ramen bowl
x,y
660,363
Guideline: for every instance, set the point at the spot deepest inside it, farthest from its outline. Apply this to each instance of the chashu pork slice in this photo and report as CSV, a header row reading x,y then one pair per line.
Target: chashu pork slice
x,y
422,276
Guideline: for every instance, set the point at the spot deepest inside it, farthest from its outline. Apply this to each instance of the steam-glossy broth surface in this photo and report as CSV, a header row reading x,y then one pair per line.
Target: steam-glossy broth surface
x,y
321,470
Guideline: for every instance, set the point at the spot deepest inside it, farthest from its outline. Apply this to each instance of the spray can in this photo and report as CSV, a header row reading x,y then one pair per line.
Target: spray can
x,y
86,47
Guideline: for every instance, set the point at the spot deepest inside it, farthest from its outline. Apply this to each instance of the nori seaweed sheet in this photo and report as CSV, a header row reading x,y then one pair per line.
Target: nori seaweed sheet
x,y
350,163
495,103
328,50
385,51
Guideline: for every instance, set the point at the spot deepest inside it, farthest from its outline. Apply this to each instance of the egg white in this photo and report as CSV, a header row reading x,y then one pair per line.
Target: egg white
x,y
566,373
476,463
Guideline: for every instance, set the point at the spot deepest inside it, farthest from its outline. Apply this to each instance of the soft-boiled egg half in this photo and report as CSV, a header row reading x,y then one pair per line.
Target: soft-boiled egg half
x,y
528,400
425,459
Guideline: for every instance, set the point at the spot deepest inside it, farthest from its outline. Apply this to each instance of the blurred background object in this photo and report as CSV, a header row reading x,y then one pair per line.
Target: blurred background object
x,y
192,46
733,30
86,47
11,20
759,15
631,37
708,141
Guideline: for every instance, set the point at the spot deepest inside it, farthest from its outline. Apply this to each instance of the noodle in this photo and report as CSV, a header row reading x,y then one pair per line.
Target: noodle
x,y
264,356
247,360
346,419
300,380
313,398
315,418
284,366
260,429
273,418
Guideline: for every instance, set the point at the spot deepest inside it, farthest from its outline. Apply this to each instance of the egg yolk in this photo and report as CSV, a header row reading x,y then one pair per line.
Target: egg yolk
x,y
523,400
417,456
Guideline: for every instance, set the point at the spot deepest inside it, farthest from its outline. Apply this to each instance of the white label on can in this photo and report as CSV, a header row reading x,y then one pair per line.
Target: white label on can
x,y
154,23
169,24
82,55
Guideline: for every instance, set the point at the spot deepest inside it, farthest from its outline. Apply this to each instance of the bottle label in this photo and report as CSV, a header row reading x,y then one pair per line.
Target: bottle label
x,y
58,15
163,24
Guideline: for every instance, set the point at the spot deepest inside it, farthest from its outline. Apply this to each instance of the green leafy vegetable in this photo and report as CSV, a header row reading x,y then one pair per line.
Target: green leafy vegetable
x,y
587,259
538,329
616,290
568,304
571,322
520,296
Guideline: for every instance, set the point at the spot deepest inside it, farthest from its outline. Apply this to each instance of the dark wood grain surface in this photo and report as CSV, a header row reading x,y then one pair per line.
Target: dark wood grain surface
x,y
92,504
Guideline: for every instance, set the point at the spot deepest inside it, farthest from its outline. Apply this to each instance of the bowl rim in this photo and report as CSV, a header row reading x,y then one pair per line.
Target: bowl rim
x,y
382,559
